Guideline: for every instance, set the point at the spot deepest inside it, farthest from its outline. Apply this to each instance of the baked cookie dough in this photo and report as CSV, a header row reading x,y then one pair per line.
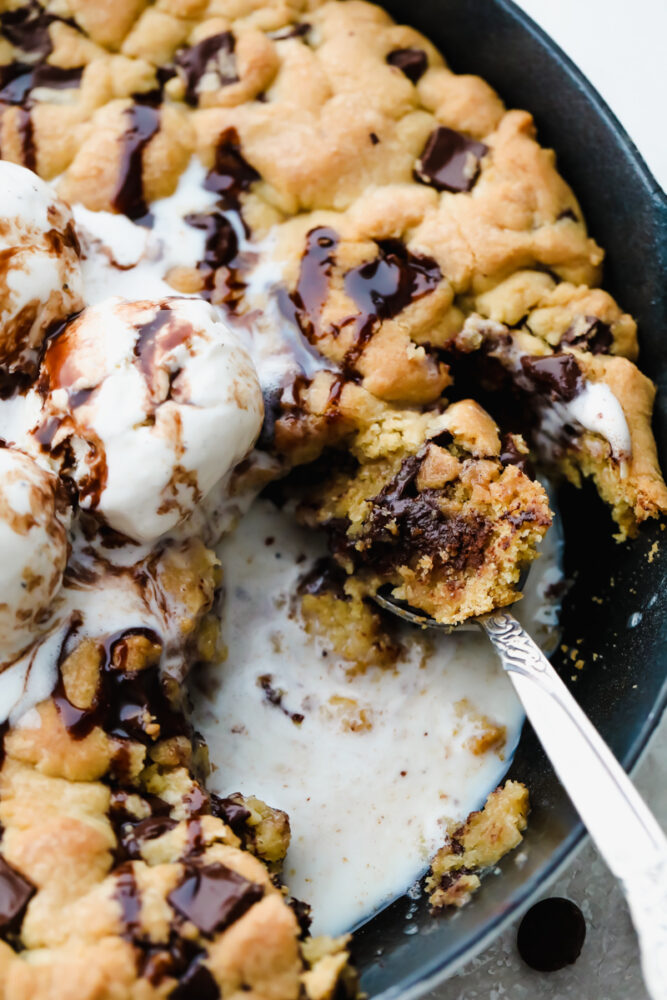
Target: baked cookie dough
x,y
427,266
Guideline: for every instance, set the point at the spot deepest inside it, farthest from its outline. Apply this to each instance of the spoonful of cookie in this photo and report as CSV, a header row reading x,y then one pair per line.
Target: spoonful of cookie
x,y
624,830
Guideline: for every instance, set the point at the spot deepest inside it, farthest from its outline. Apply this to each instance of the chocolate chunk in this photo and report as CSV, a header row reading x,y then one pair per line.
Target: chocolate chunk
x,y
403,525
567,213
230,811
551,935
589,333
412,62
214,54
557,376
15,894
213,896
196,984
450,161
129,199
510,455
132,837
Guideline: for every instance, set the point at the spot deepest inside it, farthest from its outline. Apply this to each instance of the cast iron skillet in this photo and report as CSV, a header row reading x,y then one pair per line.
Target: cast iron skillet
x,y
624,690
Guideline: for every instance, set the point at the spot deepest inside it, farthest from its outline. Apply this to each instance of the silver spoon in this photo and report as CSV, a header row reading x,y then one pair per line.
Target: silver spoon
x,y
624,829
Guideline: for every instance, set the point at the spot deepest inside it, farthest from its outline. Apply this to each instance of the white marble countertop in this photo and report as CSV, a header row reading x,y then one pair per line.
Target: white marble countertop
x,y
621,49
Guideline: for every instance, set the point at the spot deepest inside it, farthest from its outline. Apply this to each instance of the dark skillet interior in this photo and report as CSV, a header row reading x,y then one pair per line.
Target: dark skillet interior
x,y
623,690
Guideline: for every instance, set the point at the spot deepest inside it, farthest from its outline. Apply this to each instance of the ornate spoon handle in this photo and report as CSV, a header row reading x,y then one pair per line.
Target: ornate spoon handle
x,y
625,831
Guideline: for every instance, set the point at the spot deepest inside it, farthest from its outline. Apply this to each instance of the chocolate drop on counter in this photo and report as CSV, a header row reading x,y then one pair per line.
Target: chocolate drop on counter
x,y
551,935
556,376
15,894
450,161
129,200
212,54
412,62
213,896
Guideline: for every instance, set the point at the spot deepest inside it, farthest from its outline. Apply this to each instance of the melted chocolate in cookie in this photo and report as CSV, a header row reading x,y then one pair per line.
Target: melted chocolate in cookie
x,y
197,982
551,935
589,333
450,161
213,896
15,894
212,54
557,376
404,524
133,836
144,123
510,455
412,62
231,812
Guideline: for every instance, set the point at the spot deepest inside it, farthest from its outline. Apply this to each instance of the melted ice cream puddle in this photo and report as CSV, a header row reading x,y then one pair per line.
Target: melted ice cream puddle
x,y
367,808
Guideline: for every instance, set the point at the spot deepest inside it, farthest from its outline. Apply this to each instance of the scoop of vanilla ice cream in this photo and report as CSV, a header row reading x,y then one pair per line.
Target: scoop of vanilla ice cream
x,y
40,271
151,404
33,543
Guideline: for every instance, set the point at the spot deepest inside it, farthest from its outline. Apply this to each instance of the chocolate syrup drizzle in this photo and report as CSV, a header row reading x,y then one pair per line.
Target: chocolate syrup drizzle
x,y
129,199
223,265
380,288
128,705
203,58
